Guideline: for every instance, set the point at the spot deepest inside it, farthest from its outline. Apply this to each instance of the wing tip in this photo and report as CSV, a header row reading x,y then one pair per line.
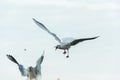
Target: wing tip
x,y
37,22
96,37
10,57
33,19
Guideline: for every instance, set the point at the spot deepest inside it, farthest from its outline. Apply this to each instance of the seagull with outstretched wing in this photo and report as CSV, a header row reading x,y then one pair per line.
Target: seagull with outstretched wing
x,y
30,72
66,43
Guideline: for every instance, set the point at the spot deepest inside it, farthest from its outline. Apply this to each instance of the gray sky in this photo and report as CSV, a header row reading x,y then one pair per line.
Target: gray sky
x,y
91,60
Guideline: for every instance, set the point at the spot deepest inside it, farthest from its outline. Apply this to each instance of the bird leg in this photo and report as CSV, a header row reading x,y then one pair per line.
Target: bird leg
x,y
67,54
64,52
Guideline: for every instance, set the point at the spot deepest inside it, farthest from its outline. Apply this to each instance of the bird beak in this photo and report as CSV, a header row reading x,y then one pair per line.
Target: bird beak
x,y
56,48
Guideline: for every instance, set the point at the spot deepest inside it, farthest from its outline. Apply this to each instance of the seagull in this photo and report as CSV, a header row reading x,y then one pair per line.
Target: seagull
x,y
31,72
65,43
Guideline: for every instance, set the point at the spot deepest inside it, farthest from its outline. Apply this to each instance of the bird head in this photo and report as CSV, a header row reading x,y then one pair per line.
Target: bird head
x,y
30,68
57,47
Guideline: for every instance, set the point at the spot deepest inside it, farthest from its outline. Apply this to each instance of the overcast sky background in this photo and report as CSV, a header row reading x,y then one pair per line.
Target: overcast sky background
x,y
98,59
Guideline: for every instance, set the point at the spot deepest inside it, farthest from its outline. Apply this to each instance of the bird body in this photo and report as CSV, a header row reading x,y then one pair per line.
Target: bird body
x,y
31,72
66,43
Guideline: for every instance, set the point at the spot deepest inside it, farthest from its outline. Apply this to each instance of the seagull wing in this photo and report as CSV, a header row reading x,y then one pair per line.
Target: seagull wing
x,y
38,64
23,71
44,28
21,67
81,40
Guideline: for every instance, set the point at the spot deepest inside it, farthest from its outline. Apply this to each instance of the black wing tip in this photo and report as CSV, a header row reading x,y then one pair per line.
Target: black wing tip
x,y
43,54
8,55
11,58
96,37
36,21
33,19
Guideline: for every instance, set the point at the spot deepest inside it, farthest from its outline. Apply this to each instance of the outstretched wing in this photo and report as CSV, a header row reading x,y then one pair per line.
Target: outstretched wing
x,y
21,67
81,40
44,28
10,57
23,71
38,64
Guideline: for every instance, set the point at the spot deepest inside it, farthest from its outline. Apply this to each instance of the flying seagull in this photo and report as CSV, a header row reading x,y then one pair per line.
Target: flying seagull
x,y
65,43
30,72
